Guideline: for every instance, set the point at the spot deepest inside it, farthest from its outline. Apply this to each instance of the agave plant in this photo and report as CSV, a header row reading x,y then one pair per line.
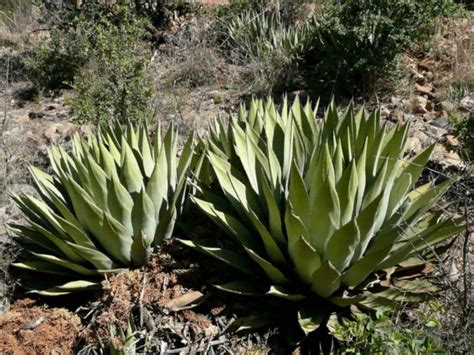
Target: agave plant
x,y
107,205
327,215
260,34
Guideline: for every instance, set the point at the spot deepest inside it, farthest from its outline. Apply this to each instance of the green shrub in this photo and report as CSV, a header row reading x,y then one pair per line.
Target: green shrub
x,y
105,207
114,84
358,41
325,216
378,334
96,50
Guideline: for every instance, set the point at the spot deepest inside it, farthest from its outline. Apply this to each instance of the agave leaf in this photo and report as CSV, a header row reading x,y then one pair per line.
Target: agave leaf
x,y
274,217
424,240
130,174
342,245
185,160
43,266
247,287
310,319
146,152
325,207
94,256
227,222
143,216
165,226
60,243
158,185
242,198
252,322
238,261
282,292
34,237
298,196
247,157
66,264
170,144
347,192
141,249
120,203
325,280
362,268
107,161
272,272
67,288
115,239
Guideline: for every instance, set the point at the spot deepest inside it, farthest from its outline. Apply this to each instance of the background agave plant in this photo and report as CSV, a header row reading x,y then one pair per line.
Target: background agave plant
x,y
327,215
108,203
260,34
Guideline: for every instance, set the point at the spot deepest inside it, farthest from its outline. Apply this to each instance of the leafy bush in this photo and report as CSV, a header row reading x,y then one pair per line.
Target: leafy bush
x,y
97,50
323,215
108,203
379,335
113,83
358,41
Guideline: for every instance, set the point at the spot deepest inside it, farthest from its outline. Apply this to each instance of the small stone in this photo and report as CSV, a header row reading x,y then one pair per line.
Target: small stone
x,y
423,89
467,104
430,106
452,141
33,115
448,106
419,78
441,122
418,104
51,134
206,105
448,160
413,145
384,112
435,132
397,115
425,64
396,101
302,94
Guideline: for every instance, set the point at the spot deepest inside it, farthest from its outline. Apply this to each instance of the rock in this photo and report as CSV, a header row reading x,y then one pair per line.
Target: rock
x,y
418,104
419,78
448,106
426,64
441,122
206,105
384,112
302,94
33,115
448,160
467,104
413,145
430,106
435,132
396,101
423,89
408,117
452,141
397,115
51,134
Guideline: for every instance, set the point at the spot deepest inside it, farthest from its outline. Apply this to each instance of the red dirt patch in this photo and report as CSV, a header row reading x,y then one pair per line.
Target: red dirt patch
x,y
30,329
